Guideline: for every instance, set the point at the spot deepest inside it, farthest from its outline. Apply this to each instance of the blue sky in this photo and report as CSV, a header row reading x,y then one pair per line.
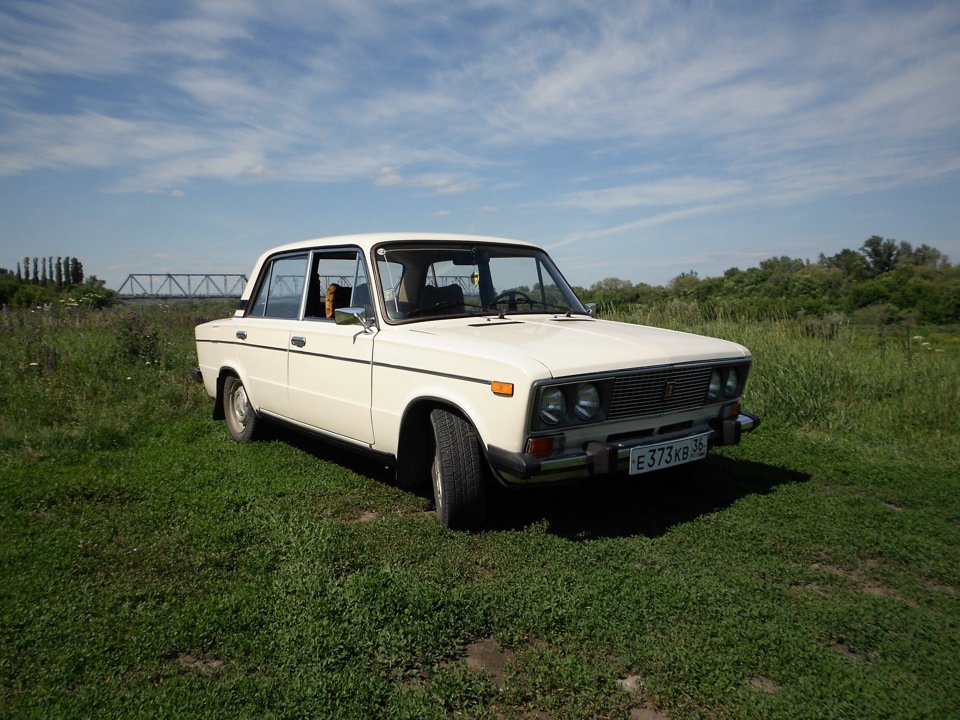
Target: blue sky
x,y
632,139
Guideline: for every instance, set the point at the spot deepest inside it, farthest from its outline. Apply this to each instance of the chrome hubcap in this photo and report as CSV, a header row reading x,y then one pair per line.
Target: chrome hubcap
x,y
437,485
240,405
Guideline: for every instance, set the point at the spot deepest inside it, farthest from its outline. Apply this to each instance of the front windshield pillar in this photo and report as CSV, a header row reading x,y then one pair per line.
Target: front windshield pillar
x,y
487,293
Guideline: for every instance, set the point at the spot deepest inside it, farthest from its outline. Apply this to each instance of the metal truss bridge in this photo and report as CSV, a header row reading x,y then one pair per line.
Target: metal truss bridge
x,y
203,286
176,286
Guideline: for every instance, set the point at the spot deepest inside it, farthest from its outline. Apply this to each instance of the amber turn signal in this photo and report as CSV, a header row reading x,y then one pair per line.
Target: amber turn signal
x,y
541,446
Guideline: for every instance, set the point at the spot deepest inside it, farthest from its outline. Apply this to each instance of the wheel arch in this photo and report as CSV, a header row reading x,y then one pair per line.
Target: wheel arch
x,y
415,444
225,372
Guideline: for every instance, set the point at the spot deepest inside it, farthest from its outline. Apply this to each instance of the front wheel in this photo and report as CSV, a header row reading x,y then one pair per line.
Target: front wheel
x,y
457,472
242,420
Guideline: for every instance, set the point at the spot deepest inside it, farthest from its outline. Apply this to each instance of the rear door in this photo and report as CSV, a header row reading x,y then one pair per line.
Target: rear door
x,y
262,336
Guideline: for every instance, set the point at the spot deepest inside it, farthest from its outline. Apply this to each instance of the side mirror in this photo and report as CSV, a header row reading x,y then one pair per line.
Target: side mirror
x,y
591,309
352,316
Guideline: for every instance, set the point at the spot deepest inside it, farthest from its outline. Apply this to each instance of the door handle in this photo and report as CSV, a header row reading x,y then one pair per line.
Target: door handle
x,y
298,341
241,334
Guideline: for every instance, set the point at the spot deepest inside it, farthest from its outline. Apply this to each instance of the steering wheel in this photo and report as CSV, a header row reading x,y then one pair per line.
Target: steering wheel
x,y
511,298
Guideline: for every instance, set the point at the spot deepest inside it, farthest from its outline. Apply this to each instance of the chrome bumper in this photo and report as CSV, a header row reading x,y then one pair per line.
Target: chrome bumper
x,y
602,458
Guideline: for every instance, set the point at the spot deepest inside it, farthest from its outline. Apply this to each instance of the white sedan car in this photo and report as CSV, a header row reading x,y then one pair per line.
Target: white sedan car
x,y
464,360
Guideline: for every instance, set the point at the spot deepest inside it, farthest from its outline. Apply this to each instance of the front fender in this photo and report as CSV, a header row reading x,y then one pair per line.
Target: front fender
x,y
397,402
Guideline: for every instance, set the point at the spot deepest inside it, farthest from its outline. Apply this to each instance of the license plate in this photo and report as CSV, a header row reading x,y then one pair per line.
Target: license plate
x,y
648,458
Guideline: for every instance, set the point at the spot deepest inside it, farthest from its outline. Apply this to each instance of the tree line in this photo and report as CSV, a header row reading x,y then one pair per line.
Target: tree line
x,y
893,277
62,273
42,280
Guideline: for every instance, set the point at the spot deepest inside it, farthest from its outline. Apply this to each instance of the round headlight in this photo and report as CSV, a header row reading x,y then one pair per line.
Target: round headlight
x,y
553,406
713,392
588,402
733,382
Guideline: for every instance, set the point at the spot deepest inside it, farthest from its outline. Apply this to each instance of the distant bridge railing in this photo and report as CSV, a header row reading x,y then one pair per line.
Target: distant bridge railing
x,y
171,286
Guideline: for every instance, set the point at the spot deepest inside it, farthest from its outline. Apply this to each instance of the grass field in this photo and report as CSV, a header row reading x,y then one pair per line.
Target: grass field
x,y
153,568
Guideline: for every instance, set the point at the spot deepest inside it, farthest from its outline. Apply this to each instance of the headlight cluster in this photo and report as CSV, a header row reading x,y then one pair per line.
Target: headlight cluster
x,y
724,382
583,399
644,392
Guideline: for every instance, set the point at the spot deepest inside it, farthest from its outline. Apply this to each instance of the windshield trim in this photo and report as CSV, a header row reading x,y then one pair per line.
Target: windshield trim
x,y
380,253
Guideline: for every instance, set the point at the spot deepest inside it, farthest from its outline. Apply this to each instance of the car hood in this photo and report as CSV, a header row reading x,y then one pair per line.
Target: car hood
x,y
578,344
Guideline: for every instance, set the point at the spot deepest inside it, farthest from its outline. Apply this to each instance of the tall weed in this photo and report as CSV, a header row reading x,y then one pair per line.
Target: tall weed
x,y
91,378
81,377
886,386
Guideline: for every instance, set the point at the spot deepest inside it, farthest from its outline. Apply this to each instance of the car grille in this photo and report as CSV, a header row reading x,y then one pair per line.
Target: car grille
x,y
655,392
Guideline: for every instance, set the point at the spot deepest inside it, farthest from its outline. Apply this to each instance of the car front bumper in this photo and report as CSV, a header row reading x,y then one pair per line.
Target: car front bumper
x,y
602,458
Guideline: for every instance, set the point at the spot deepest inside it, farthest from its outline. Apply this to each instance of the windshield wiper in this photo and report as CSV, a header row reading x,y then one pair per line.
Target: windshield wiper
x,y
431,309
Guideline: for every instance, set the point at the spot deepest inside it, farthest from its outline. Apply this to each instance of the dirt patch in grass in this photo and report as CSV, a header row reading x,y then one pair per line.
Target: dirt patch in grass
x,y
488,657
645,712
642,709
846,650
942,588
767,685
856,576
202,665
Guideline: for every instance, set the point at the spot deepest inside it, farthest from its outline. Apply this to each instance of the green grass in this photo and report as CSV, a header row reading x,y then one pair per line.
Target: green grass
x,y
152,567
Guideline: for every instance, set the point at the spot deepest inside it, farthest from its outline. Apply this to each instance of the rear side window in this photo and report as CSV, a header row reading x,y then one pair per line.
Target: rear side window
x,y
281,289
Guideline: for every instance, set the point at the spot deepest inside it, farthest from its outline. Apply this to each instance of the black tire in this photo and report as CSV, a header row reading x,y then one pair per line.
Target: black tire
x,y
457,472
242,420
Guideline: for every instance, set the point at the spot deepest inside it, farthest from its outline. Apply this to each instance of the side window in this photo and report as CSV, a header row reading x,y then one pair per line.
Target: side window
x,y
338,279
281,291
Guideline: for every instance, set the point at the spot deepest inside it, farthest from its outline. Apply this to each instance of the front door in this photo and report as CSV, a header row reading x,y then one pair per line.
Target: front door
x,y
330,366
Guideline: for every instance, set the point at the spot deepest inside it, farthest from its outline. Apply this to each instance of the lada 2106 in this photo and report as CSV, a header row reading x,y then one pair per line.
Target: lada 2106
x,y
463,360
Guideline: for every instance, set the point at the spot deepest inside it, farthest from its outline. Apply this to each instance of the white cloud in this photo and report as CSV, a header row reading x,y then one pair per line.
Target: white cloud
x,y
673,191
258,171
782,100
387,176
446,186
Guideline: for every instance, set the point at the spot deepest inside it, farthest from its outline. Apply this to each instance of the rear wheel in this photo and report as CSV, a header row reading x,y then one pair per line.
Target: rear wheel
x,y
457,472
242,420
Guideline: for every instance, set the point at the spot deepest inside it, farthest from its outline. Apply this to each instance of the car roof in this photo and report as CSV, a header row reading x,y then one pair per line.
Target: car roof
x,y
368,240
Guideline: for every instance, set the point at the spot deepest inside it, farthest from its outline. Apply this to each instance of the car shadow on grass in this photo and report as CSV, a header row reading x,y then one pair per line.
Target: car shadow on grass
x,y
356,462
613,506
623,505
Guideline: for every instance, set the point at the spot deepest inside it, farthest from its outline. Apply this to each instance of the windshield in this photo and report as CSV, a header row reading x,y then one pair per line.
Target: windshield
x,y
431,280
